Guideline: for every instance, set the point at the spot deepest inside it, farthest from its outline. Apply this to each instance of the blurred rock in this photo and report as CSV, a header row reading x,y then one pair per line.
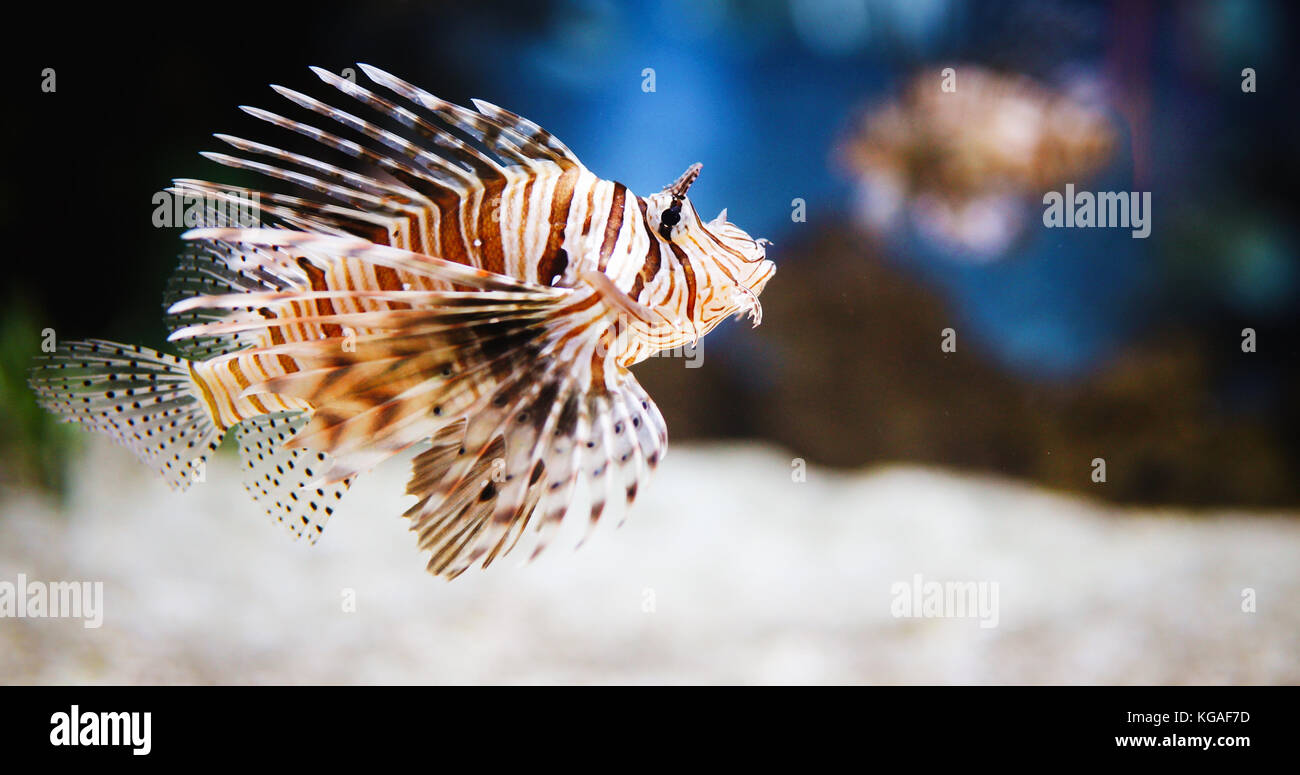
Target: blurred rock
x,y
847,370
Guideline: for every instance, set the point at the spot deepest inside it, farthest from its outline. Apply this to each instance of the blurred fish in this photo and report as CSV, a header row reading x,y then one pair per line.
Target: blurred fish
x,y
966,164
463,280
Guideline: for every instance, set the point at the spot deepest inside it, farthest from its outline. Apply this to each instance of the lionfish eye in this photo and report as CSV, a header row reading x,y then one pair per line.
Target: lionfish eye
x,y
670,218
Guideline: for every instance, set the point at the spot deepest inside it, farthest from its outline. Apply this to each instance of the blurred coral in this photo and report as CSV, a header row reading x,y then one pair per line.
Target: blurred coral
x,y
965,152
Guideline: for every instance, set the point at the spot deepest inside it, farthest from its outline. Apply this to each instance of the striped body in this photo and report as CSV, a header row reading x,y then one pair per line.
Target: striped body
x,y
222,381
481,297
527,226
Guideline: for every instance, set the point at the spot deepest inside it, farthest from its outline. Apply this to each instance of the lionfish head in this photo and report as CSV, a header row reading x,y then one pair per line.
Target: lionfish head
x,y
733,263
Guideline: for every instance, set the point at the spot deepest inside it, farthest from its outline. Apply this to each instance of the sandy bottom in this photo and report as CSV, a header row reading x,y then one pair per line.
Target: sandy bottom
x,y
727,572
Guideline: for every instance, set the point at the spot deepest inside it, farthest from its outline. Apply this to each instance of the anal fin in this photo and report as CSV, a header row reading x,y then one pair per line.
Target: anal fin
x,y
288,483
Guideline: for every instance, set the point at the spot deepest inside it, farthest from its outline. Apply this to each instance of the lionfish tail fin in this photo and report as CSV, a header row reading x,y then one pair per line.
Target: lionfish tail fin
x,y
144,400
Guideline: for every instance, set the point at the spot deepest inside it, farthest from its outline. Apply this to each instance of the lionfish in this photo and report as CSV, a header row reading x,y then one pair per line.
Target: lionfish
x,y
455,278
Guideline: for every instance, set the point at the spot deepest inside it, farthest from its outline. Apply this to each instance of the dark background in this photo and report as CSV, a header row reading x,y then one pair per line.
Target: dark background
x,y
1075,345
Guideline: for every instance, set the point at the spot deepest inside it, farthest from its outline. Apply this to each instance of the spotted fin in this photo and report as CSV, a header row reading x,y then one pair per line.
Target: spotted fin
x,y
141,398
287,482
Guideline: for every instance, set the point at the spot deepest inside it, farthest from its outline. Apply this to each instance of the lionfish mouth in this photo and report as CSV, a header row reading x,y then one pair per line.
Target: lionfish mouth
x,y
748,290
750,305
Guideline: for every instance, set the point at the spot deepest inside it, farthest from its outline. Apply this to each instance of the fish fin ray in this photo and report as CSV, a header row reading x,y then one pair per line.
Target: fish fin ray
x,y
505,133
211,268
142,399
287,482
